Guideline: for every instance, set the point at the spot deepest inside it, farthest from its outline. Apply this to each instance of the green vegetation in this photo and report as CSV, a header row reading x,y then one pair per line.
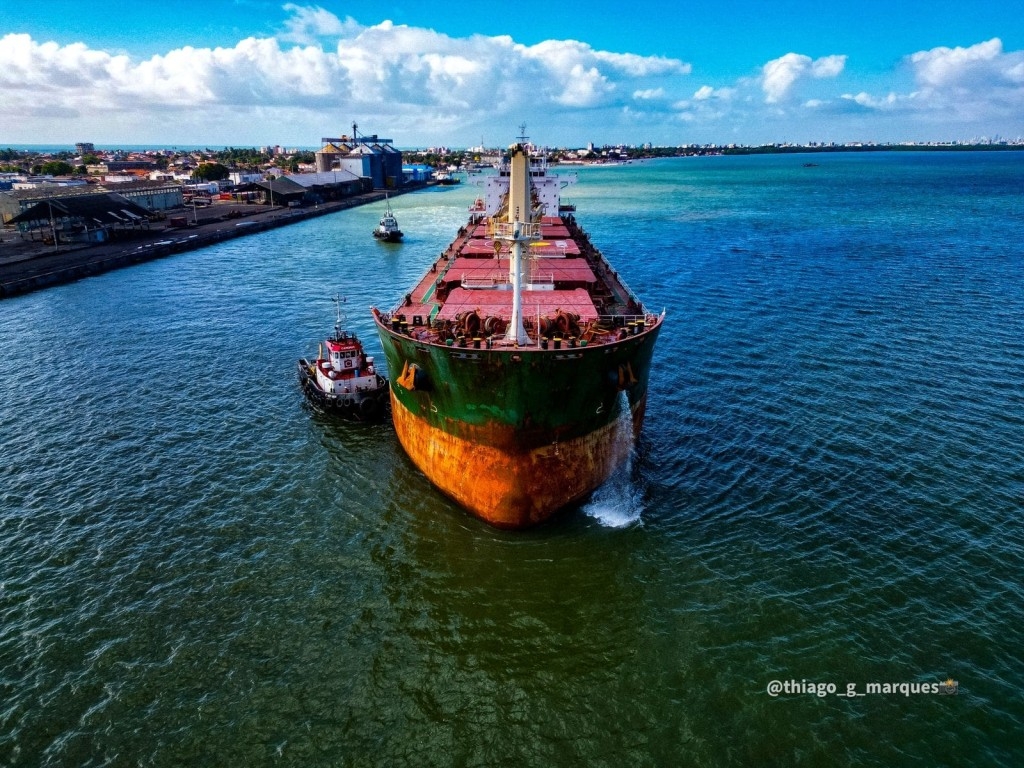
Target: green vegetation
x,y
56,168
210,172
250,158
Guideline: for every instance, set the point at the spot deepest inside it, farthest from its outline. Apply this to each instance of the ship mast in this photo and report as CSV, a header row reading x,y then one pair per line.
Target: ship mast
x,y
517,230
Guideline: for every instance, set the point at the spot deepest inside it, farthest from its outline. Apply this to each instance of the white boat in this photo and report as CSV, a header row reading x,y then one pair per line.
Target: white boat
x,y
446,177
387,230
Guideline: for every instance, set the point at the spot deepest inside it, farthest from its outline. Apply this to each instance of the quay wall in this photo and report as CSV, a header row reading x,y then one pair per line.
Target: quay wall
x,y
55,268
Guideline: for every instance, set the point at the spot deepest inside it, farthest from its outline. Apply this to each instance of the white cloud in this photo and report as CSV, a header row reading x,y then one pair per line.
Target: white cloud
x,y
944,67
866,100
322,69
706,92
779,76
307,25
416,85
828,66
642,66
649,93
972,85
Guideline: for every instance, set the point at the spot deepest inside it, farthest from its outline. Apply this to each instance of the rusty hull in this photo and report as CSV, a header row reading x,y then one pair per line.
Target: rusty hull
x,y
511,487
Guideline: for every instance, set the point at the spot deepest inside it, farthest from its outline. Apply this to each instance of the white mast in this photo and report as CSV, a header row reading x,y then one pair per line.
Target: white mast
x,y
518,230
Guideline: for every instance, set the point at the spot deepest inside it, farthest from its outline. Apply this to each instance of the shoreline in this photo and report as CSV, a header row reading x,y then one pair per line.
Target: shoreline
x,y
27,266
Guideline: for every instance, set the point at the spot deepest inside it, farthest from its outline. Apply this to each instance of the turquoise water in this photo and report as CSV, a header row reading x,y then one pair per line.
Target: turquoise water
x,y
197,569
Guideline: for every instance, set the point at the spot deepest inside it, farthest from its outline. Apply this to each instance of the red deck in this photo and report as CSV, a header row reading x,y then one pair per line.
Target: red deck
x,y
499,303
566,273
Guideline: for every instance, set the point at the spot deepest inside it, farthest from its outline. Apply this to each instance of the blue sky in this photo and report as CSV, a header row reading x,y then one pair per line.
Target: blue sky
x,y
254,72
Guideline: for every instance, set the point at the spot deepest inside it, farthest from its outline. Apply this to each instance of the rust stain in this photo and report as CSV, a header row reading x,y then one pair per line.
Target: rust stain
x,y
505,485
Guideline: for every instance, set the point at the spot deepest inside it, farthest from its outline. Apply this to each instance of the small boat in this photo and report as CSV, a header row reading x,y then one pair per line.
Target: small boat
x,y
446,178
387,230
345,381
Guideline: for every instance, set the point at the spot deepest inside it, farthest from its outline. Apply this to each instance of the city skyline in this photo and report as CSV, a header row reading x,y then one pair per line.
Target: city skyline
x,y
252,72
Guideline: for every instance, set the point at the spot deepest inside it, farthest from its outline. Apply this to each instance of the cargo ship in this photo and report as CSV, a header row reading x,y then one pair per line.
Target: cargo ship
x,y
519,363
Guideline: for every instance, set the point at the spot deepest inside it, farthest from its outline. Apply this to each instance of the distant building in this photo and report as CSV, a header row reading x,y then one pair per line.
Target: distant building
x,y
39,182
331,185
151,195
93,218
369,156
119,166
85,148
244,177
417,172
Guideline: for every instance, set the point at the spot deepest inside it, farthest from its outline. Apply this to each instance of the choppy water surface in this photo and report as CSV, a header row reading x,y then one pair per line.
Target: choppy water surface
x,y
197,569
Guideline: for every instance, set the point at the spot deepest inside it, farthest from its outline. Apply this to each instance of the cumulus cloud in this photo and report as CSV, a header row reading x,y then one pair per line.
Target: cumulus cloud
x,y
320,71
983,65
779,76
706,92
255,71
319,62
306,25
863,99
969,85
828,66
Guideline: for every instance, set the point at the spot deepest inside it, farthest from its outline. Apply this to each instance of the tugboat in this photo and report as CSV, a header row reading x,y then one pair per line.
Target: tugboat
x,y
345,381
387,230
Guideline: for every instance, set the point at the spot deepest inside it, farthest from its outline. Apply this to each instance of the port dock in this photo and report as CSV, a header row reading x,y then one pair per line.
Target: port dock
x,y
27,265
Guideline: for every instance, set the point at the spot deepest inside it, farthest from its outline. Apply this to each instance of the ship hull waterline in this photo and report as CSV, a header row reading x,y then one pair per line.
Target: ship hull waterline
x,y
516,435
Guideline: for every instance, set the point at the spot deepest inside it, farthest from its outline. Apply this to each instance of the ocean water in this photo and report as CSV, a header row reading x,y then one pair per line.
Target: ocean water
x,y
197,569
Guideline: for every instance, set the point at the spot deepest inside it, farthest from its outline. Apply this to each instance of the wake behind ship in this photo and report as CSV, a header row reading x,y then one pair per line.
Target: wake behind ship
x,y
520,361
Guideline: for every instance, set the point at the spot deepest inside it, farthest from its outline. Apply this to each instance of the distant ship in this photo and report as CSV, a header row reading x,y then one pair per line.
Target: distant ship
x,y
519,363
446,177
387,229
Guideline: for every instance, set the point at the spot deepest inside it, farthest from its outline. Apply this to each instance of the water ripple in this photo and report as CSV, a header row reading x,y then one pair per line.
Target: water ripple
x,y
197,568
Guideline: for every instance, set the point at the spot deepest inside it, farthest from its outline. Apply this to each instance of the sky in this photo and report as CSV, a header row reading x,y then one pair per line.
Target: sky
x,y
260,72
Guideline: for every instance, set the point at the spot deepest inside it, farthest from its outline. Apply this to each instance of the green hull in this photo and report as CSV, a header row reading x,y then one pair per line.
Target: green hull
x,y
533,427
537,396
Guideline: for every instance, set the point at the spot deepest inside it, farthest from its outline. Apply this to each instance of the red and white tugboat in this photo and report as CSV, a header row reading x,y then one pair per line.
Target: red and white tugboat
x,y
345,381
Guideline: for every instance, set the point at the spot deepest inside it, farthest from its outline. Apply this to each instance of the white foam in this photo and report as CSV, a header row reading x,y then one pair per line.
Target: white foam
x,y
617,503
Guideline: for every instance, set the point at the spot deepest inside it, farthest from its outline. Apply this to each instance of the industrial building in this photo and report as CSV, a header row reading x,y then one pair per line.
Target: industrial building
x,y
368,156
151,195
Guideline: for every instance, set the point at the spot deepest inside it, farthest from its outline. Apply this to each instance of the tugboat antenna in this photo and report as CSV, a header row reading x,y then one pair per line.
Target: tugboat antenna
x,y
338,301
